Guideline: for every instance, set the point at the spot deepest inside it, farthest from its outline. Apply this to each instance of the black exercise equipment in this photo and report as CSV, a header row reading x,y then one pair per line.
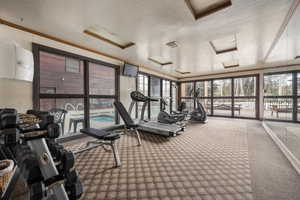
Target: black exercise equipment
x,y
153,127
130,125
166,118
29,140
108,136
102,138
198,114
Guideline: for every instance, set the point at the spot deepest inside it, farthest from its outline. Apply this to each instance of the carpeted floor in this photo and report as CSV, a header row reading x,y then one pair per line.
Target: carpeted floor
x,y
208,161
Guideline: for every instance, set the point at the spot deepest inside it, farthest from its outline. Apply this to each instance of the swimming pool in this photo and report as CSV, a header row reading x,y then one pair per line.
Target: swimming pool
x,y
103,118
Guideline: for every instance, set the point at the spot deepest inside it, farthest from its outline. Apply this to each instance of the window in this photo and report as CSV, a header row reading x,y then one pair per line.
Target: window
x,y
102,112
54,78
174,90
279,98
155,93
204,88
222,88
142,86
166,89
245,86
187,89
245,97
158,88
61,82
232,97
101,80
72,65
223,104
278,85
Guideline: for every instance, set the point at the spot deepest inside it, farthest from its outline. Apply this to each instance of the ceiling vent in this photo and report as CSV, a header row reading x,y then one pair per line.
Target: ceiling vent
x,y
202,8
159,60
172,44
231,64
106,36
224,45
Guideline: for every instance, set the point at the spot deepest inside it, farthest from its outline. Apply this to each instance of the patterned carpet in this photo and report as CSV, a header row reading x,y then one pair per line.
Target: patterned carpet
x,y
206,162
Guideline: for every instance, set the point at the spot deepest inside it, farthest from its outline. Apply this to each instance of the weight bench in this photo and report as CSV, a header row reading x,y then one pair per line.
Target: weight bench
x,y
104,137
129,123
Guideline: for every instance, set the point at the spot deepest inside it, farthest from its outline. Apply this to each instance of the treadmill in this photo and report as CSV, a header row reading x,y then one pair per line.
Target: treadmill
x,y
153,127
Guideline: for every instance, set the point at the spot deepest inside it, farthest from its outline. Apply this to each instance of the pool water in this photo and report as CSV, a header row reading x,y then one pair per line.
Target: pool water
x,y
103,118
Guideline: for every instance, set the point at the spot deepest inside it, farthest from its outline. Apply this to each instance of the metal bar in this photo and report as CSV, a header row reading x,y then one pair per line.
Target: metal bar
x,y
116,154
87,97
138,137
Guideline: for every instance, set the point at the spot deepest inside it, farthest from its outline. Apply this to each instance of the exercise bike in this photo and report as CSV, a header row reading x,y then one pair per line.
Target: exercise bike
x,y
166,118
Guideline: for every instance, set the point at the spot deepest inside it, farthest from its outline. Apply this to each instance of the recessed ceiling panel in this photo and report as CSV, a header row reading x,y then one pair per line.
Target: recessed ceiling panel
x,y
231,64
182,72
224,45
107,36
160,60
201,8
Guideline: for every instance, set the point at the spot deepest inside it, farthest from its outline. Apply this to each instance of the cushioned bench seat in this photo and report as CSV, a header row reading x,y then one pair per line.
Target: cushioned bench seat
x,y
100,134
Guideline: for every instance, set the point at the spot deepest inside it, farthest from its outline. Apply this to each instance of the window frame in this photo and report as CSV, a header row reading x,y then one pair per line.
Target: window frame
x,y
294,97
161,91
232,97
86,96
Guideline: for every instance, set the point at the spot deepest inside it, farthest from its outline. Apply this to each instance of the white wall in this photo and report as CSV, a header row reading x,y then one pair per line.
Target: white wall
x,y
18,94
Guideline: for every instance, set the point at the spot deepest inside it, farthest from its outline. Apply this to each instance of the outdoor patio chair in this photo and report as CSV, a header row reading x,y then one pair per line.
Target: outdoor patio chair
x,y
59,117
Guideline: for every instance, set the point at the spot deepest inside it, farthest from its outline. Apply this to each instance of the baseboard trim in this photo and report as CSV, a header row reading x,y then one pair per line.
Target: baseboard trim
x,y
287,153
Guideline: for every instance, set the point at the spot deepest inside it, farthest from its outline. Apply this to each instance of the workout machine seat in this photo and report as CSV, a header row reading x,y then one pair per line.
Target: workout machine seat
x,y
103,138
129,123
100,134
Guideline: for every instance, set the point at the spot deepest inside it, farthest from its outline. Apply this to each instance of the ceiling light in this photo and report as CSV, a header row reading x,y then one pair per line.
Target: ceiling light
x,y
202,8
160,60
224,45
106,36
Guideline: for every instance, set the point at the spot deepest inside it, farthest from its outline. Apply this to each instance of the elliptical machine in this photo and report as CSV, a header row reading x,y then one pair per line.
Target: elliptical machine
x,y
166,118
198,114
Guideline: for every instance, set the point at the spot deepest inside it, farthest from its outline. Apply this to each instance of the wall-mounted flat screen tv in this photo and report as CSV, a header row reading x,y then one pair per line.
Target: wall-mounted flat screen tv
x,y
130,70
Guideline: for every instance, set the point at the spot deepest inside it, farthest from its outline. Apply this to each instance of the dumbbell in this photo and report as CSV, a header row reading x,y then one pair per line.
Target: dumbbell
x,y
55,149
37,191
53,131
28,163
73,185
11,136
8,119
67,161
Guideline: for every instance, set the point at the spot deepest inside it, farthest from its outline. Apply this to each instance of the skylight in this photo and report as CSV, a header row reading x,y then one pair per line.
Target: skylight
x,y
202,8
106,36
224,45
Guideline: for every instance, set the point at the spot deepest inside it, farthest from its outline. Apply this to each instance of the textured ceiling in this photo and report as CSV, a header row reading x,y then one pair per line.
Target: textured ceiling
x,y
151,24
